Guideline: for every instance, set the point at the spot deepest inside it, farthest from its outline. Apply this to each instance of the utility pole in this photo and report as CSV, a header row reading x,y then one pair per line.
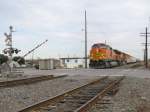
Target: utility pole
x,y
146,46
146,52
85,41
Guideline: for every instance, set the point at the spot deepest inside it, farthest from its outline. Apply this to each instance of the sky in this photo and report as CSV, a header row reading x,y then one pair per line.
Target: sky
x,y
118,22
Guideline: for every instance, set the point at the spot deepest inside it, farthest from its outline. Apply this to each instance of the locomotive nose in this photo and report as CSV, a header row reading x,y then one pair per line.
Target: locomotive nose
x,y
97,54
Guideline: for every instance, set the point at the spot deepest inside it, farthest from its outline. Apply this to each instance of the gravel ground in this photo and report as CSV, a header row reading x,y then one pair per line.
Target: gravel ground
x,y
89,72
16,78
15,98
133,96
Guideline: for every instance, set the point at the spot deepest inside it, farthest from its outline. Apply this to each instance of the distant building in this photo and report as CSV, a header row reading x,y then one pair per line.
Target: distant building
x,y
73,62
45,64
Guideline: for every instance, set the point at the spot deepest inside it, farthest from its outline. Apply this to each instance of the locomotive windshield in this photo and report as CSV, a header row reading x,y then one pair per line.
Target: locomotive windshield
x,y
95,46
100,46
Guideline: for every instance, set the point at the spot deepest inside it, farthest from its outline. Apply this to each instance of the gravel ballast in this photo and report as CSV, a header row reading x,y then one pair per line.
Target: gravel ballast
x,y
133,96
13,99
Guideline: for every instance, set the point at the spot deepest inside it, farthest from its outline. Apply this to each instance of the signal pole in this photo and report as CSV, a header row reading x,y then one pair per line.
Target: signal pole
x,y
85,41
8,42
146,48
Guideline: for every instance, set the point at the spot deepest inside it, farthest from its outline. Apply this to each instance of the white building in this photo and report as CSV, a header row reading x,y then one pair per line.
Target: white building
x,y
74,62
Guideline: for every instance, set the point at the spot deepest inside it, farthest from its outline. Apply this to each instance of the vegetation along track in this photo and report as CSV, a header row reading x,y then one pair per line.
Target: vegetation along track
x,y
28,80
77,100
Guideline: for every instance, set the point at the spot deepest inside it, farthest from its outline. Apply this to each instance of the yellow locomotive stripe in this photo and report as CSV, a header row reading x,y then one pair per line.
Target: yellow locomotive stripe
x,y
100,54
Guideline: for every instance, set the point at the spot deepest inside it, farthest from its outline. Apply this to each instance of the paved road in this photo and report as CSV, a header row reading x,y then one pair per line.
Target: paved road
x,y
94,72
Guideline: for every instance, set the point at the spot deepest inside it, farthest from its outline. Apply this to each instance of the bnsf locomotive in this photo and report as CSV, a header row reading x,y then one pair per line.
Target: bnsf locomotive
x,y
103,56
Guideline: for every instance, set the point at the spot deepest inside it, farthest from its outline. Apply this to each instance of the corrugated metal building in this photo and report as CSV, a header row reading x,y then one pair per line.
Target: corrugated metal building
x,y
48,64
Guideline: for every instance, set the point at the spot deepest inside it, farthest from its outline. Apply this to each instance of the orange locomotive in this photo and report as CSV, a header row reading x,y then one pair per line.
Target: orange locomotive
x,y
103,56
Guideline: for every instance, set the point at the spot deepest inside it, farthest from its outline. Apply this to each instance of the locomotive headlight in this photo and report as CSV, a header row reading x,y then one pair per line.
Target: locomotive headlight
x,y
96,50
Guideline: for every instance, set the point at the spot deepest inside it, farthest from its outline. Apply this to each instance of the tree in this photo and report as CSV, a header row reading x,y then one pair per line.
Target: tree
x,y
19,59
3,58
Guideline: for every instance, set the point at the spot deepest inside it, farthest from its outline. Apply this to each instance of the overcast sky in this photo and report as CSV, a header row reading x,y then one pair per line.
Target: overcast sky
x,y
119,22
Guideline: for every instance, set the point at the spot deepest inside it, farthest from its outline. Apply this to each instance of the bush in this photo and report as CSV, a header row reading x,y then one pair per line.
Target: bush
x,y
3,58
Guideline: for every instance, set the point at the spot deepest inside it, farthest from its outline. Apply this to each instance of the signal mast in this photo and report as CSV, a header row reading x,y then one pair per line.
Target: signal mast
x,y
9,47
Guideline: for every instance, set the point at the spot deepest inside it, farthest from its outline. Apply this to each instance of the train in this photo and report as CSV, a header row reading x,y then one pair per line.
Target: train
x,y
104,56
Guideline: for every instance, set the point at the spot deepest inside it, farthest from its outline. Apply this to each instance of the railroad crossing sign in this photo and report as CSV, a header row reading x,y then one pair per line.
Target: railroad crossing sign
x,y
8,41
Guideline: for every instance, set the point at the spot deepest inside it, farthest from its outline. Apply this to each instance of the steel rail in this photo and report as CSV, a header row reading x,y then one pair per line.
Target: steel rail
x,y
18,82
99,96
57,98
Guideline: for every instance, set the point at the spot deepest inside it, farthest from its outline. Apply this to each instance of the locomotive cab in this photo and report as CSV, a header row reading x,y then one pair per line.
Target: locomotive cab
x,y
100,56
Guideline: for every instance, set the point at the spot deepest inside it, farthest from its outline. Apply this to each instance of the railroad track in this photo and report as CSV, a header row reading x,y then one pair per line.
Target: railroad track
x,y
30,80
77,100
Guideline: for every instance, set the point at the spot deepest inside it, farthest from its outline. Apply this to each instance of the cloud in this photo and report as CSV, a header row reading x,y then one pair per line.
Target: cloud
x,y
118,22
